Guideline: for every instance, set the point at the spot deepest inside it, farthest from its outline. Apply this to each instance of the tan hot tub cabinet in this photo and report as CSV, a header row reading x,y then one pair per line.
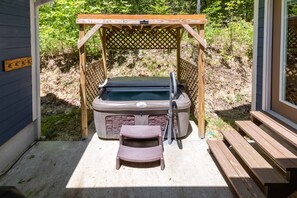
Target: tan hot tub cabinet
x,y
142,32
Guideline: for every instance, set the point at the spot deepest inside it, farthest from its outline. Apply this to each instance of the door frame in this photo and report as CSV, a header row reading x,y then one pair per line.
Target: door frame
x,y
34,26
267,65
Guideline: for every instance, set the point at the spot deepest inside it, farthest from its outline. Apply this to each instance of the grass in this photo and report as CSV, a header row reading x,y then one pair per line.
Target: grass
x,y
216,124
63,126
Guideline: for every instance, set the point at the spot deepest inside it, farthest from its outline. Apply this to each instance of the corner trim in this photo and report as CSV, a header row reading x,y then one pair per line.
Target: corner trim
x,y
255,54
15,147
268,18
34,25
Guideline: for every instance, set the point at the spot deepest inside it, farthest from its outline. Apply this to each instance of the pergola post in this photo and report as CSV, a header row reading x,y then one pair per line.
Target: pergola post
x,y
104,52
178,41
83,95
201,86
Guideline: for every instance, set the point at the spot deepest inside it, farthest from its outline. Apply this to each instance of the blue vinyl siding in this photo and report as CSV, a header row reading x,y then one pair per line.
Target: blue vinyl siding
x,y
259,78
15,86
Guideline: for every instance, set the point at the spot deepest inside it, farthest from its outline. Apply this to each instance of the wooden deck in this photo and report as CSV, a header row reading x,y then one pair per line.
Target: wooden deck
x,y
269,164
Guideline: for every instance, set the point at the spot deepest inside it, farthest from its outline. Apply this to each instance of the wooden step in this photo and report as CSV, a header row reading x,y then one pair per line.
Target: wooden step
x,y
287,134
242,183
281,155
133,154
141,131
255,162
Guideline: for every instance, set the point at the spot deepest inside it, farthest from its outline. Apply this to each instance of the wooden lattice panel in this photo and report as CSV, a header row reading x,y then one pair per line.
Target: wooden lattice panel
x,y
291,78
94,77
138,38
292,38
189,75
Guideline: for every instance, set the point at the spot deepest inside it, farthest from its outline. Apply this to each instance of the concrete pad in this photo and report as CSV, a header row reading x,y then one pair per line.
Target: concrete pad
x,y
87,169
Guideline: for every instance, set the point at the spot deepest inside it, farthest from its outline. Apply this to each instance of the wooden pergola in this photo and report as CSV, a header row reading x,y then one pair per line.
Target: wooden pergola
x,y
145,32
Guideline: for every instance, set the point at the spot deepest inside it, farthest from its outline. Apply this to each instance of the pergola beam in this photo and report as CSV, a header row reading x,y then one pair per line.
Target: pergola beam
x,y
134,22
198,37
142,16
86,37
153,26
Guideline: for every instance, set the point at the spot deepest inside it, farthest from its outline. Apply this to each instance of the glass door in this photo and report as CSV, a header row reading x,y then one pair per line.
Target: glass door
x,y
284,59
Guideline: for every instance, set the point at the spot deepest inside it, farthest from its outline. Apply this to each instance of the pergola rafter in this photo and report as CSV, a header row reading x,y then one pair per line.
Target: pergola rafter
x,y
142,32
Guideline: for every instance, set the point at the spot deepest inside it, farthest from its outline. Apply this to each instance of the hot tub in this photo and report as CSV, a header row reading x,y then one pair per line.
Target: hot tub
x,y
138,101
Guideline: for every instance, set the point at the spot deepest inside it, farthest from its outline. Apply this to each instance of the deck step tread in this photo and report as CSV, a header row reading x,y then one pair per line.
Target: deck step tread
x,y
133,154
242,183
275,126
256,163
141,131
285,158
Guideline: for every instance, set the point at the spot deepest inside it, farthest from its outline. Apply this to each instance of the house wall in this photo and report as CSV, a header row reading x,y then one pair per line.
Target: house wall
x,y
259,76
16,85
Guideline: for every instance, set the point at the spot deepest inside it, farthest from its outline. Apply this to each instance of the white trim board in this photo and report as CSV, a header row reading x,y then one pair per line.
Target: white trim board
x,y
34,25
282,118
266,83
15,147
255,54
267,53
283,60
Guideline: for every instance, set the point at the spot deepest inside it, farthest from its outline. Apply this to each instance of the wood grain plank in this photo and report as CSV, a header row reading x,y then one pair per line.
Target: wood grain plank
x,y
285,158
238,177
178,42
86,37
198,37
83,95
10,65
138,21
256,163
104,50
142,17
201,85
279,129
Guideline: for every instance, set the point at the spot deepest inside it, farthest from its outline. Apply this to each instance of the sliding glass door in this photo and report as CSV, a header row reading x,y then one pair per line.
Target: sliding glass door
x,y
284,59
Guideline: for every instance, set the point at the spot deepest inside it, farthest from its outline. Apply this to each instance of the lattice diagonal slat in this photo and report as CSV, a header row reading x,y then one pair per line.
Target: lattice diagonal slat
x,y
189,75
94,77
292,39
137,38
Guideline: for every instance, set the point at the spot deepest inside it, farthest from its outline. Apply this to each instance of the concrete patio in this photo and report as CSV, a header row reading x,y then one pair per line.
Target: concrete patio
x,y
87,169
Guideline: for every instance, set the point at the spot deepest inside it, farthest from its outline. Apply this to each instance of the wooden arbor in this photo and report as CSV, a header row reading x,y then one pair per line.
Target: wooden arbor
x,y
145,32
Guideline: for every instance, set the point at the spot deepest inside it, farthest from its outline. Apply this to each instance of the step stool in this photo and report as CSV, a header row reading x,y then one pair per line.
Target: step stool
x,y
135,154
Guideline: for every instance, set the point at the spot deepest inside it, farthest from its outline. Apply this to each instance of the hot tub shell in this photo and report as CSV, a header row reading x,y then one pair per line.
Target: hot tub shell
x,y
110,115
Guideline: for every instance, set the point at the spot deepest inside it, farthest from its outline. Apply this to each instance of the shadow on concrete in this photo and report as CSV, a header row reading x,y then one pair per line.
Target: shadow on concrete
x,y
143,192
45,169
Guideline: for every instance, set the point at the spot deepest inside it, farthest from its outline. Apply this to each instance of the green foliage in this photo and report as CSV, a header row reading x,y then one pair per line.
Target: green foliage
x,y
224,11
58,28
159,7
292,9
59,31
232,40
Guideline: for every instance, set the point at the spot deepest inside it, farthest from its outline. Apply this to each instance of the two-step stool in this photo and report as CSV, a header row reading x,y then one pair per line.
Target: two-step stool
x,y
135,154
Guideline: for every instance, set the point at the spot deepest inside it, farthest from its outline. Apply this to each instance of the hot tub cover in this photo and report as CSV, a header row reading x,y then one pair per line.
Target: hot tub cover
x,y
140,82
